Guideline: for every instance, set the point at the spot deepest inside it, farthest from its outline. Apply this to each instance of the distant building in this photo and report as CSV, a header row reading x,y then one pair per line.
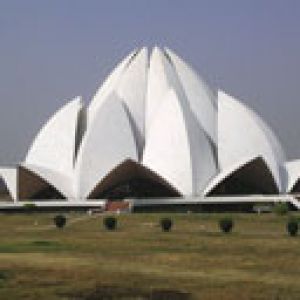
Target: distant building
x,y
154,129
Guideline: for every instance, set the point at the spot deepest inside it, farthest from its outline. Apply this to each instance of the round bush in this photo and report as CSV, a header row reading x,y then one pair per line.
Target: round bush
x,y
281,208
166,224
292,227
110,223
60,221
226,224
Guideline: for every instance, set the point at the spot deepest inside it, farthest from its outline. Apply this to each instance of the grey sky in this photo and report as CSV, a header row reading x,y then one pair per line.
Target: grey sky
x,y
51,51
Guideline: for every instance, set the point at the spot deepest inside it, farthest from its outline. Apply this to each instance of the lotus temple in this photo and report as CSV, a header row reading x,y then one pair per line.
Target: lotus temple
x,y
157,134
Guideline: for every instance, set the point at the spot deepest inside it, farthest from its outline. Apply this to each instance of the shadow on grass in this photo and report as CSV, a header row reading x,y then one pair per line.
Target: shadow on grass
x,y
4,276
33,246
122,293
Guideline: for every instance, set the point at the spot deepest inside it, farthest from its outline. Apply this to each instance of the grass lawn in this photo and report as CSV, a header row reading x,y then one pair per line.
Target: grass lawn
x,y
258,260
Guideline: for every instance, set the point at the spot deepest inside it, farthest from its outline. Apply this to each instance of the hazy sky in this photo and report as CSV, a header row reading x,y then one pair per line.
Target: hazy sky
x,y
51,51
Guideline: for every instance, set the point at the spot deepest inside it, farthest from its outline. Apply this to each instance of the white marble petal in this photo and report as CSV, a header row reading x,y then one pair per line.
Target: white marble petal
x,y
177,149
241,135
201,98
108,141
54,146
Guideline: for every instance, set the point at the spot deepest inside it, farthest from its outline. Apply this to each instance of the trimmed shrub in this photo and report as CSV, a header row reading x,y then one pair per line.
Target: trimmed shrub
x,y
281,208
60,221
292,227
166,224
110,223
226,224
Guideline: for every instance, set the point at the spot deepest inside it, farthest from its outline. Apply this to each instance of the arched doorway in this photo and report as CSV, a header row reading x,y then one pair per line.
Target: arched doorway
x,y
32,186
132,180
252,178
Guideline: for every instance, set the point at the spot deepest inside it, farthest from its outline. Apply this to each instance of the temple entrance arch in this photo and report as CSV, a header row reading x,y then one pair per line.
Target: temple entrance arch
x,y
32,186
254,177
132,180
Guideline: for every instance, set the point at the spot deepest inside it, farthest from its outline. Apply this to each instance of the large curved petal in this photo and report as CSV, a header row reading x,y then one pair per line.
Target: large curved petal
x,y
55,145
128,81
240,135
201,98
177,149
108,86
108,141
132,90
162,77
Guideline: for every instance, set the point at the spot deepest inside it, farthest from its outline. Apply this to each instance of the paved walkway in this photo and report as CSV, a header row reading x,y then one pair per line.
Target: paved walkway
x,y
70,221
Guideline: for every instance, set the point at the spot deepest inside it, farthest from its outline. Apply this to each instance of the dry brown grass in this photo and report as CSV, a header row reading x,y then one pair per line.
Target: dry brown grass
x,y
138,261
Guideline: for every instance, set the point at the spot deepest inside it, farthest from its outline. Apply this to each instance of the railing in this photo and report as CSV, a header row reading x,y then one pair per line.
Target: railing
x,y
292,199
